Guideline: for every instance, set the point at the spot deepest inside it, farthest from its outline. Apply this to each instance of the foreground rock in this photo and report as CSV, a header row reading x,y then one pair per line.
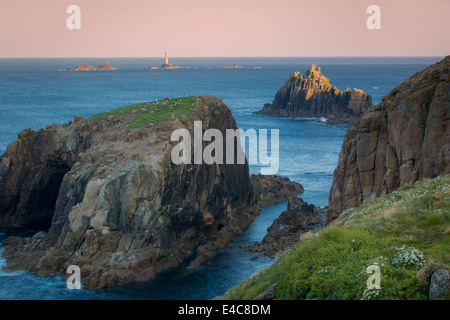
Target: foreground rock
x,y
312,95
118,207
285,231
116,204
403,139
439,284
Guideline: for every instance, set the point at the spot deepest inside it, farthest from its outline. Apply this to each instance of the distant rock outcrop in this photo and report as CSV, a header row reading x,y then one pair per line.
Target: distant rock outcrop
x,y
105,66
170,66
232,66
87,67
84,67
404,138
312,95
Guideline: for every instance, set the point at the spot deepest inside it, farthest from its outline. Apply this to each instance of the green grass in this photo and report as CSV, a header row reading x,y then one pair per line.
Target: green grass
x,y
392,231
156,112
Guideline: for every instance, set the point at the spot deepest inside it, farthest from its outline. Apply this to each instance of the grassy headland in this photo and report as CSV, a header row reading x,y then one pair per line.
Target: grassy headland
x,y
406,233
151,112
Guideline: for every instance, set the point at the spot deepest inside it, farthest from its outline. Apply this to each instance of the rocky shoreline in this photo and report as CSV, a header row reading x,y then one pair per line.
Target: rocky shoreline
x,y
299,219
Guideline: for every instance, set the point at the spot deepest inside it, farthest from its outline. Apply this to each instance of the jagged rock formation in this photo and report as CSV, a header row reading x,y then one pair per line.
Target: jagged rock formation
x,y
285,231
105,66
118,207
312,95
403,139
84,67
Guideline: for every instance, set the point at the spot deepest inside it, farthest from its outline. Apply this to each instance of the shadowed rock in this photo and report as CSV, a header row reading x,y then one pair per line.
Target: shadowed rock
x,y
285,231
404,138
116,204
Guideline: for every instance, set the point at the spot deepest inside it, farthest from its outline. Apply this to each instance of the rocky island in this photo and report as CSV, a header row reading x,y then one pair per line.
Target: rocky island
x,y
312,95
87,67
113,201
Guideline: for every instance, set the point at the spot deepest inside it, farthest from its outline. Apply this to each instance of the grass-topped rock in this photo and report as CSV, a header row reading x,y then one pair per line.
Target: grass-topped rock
x,y
145,113
114,202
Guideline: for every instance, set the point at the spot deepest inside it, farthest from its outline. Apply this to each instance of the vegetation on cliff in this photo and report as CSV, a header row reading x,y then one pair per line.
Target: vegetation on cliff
x,y
152,112
405,233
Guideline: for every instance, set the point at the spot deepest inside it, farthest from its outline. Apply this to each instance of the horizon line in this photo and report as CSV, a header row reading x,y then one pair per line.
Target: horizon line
x,y
223,57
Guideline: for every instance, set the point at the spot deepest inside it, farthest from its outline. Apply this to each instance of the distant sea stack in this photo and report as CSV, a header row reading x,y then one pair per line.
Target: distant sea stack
x,y
87,67
312,95
105,66
404,138
117,206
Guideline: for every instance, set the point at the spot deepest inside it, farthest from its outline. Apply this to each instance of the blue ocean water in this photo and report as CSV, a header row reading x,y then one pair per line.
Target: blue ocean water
x,y
32,95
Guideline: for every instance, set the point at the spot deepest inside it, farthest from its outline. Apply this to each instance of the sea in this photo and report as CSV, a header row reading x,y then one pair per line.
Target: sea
x,y
33,95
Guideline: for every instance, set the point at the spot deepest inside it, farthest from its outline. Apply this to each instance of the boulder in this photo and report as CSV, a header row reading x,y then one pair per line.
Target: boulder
x,y
439,284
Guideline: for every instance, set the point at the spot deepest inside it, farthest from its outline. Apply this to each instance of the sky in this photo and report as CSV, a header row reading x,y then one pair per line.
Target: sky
x,y
224,28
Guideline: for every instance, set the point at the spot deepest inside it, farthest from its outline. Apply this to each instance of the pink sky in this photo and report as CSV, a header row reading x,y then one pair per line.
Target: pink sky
x,y
213,28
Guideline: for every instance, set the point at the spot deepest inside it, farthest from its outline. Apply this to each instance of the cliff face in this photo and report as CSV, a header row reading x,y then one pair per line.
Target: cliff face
x,y
312,95
403,139
118,207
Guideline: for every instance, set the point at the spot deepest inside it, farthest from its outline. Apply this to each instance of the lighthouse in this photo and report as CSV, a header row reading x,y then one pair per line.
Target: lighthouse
x,y
168,65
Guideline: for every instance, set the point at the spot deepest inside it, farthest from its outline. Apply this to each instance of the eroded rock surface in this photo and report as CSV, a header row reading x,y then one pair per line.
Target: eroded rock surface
x,y
271,189
119,208
312,95
403,139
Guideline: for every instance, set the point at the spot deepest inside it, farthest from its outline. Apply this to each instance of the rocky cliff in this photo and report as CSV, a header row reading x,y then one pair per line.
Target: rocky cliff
x,y
403,139
312,95
116,204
